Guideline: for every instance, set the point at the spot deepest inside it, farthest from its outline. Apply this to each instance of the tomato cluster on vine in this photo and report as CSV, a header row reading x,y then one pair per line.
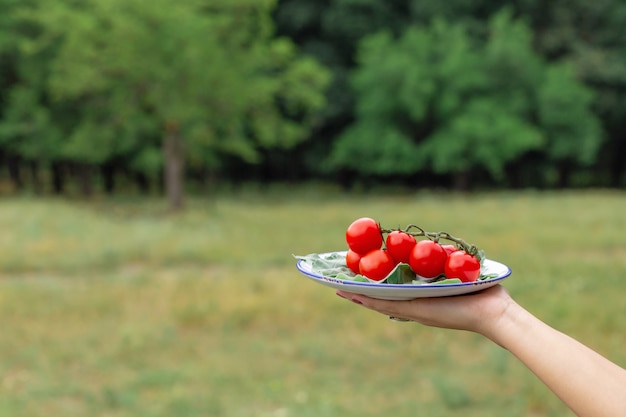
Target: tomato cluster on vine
x,y
375,252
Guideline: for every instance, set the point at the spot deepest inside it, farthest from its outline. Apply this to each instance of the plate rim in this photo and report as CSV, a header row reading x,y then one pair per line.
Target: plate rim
x,y
425,286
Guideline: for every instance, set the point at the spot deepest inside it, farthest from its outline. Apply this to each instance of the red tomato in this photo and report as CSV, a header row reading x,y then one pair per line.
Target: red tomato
x,y
364,235
463,266
449,248
399,245
376,264
428,259
352,260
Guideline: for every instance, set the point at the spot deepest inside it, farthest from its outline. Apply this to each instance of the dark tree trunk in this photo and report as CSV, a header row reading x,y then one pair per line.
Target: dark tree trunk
x,y
461,180
514,175
617,165
108,177
143,184
33,166
58,178
564,171
174,166
15,172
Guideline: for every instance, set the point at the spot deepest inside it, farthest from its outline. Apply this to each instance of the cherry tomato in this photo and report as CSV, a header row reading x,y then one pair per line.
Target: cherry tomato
x,y
463,266
399,245
449,249
428,259
352,260
376,264
364,235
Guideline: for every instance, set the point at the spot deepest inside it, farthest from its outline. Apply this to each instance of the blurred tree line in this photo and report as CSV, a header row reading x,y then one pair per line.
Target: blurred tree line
x,y
166,95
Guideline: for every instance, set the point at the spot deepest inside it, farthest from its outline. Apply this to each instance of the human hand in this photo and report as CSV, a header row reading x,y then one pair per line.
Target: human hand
x,y
478,312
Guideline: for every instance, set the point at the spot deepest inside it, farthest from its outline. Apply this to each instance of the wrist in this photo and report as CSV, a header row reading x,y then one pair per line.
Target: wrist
x,y
509,316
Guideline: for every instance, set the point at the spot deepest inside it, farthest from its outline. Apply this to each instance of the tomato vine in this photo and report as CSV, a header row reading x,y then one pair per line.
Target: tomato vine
x,y
461,244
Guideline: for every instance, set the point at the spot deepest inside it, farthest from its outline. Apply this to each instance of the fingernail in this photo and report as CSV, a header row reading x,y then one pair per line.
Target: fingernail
x,y
340,295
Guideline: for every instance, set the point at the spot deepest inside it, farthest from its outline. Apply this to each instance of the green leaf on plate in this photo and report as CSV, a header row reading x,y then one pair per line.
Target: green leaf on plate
x,y
333,265
487,276
328,265
402,274
358,277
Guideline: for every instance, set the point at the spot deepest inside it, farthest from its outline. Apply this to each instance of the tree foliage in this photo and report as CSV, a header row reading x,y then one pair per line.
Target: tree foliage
x,y
207,74
587,37
416,91
438,99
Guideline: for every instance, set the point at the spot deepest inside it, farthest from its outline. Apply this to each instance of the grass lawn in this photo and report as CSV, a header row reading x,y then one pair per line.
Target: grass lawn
x,y
115,308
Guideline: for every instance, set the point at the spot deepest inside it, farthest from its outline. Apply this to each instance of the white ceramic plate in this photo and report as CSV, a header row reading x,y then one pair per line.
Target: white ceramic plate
x,y
408,291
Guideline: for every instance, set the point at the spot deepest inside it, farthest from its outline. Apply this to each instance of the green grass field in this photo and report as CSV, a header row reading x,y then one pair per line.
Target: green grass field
x,y
115,308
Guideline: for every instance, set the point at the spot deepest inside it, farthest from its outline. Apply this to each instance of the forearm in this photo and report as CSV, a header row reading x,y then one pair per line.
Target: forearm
x,y
588,383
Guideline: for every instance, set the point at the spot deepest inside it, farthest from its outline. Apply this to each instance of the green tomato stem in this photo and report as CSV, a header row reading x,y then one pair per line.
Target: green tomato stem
x,y
436,236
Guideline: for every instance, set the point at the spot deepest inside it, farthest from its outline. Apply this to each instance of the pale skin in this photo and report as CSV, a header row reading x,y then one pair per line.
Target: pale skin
x,y
588,383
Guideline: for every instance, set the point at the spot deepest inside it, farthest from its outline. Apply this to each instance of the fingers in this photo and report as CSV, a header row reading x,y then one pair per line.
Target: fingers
x,y
427,311
397,309
475,312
